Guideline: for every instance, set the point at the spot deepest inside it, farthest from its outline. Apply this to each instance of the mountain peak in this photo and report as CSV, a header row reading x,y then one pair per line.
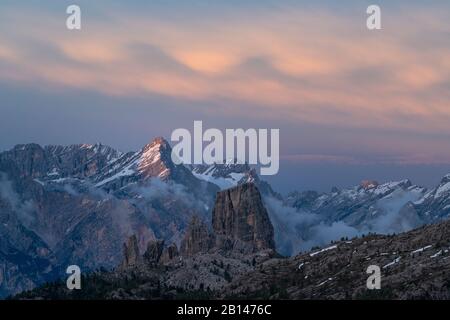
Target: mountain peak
x,y
159,144
446,178
155,158
158,141
27,146
369,184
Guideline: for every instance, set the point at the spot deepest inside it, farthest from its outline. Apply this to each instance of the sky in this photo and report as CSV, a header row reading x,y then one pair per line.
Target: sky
x,y
350,103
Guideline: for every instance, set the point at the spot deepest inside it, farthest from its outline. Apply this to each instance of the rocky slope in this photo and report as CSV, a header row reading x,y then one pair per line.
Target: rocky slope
x,y
63,205
414,265
76,205
207,261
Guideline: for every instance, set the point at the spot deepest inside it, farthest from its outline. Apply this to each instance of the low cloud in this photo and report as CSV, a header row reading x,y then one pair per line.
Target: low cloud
x,y
297,231
395,216
168,197
23,208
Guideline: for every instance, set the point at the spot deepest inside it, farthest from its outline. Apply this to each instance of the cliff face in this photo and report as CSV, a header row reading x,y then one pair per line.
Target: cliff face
x,y
169,253
63,205
239,214
240,225
131,256
197,238
154,251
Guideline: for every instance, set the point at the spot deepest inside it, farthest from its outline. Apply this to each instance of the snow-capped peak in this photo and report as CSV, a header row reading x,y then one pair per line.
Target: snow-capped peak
x,y
224,175
446,178
389,186
150,154
443,189
155,159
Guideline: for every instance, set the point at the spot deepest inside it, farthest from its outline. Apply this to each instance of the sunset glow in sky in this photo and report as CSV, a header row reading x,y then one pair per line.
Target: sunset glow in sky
x,y
341,95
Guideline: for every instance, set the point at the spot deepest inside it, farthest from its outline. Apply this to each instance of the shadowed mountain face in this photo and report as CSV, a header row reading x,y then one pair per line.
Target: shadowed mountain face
x,y
240,214
64,205
76,205
413,265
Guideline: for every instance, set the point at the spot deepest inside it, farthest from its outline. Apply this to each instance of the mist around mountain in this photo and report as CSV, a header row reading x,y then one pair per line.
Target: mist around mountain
x,y
65,205
237,259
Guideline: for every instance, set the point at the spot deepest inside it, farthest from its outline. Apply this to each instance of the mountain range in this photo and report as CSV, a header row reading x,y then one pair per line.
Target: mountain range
x,y
237,259
65,205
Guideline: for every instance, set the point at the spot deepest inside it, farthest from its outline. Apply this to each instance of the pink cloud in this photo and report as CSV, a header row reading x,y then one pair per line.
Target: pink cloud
x,y
317,65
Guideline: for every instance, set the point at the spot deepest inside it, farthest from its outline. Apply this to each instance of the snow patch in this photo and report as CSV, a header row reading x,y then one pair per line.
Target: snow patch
x,y
422,249
397,260
124,173
442,189
39,181
436,254
221,182
323,250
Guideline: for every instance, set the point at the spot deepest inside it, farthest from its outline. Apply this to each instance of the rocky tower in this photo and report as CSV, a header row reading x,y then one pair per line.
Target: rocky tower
x,y
131,255
239,214
197,238
169,253
154,251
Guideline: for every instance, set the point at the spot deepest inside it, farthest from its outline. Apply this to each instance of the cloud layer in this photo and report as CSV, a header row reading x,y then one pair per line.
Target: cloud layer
x,y
289,62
